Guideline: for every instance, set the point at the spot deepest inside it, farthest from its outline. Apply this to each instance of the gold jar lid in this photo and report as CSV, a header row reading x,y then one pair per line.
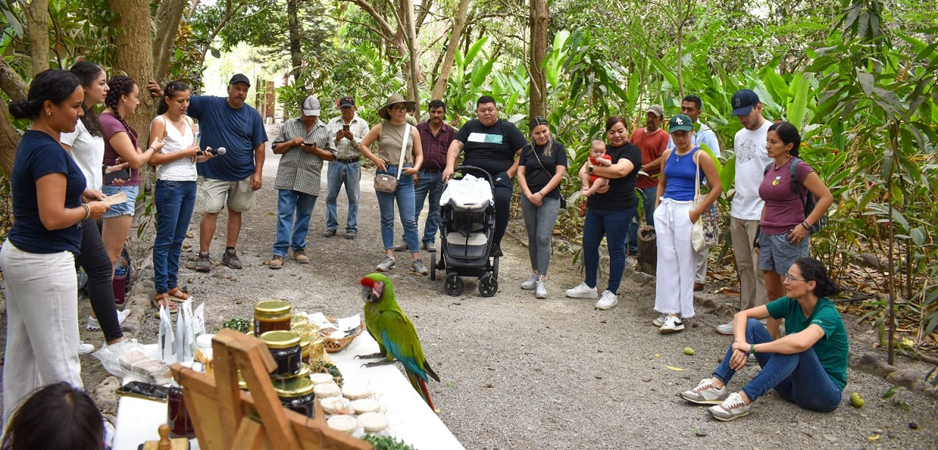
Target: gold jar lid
x,y
273,308
294,387
298,319
280,339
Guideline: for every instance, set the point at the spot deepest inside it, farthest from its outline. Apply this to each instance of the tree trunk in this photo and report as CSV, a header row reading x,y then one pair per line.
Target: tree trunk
x,y
167,27
410,36
459,21
15,88
134,45
37,21
296,53
540,19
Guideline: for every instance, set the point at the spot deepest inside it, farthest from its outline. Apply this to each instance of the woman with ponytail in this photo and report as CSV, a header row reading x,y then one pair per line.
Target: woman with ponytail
x,y
86,146
807,367
38,257
120,145
175,189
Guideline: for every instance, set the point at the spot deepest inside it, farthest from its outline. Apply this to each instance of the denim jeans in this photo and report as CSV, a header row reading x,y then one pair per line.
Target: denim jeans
x,y
404,196
292,204
648,202
608,223
429,183
799,378
174,202
349,174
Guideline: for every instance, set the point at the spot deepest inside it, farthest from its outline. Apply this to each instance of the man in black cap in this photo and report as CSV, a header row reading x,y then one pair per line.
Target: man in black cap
x,y
348,130
232,178
749,146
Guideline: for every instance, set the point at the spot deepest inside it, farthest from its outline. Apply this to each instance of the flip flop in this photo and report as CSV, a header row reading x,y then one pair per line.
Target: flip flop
x,y
159,300
178,295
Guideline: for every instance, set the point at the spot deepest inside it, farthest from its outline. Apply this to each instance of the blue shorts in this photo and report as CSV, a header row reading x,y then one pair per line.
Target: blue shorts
x,y
777,254
121,209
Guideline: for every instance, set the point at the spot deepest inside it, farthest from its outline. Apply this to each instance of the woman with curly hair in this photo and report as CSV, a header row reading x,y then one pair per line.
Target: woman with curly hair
x,y
120,145
807,367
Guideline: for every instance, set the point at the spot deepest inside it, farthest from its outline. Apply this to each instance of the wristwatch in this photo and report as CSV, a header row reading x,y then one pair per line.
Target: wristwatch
x,y
590,170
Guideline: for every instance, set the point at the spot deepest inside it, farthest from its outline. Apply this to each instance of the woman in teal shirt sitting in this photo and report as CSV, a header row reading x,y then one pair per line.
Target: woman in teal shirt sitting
x,y
807,367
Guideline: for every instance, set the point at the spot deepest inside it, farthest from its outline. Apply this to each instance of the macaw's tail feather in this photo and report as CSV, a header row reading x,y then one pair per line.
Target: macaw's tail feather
x,y
426,367
420,387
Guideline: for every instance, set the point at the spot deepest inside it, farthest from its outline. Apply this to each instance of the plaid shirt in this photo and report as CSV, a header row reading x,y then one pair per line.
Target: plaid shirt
x,y
298,170
345,149
435,147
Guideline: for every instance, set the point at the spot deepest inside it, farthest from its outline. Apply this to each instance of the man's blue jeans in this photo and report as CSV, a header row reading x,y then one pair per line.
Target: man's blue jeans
x,y
608,223
404,196
648,200
350,174
799,378
292,204
429,183
174,202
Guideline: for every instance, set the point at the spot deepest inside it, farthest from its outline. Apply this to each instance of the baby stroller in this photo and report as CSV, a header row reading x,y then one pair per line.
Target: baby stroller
x,y
467,213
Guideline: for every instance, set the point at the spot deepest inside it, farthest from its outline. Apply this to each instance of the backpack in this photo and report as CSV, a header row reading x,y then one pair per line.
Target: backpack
x,y
810,200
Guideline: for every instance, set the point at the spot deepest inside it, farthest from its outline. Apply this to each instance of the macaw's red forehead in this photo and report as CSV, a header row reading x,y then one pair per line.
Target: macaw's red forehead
x,y
368,282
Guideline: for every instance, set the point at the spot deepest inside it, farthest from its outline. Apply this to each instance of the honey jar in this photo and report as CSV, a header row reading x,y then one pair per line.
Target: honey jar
x,y
271,315
284,346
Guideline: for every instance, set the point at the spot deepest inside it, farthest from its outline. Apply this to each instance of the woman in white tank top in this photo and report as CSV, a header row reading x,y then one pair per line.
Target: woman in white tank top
x,y
175,190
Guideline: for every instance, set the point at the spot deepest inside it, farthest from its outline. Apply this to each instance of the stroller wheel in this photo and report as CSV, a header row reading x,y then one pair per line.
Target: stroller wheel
x,y
495,267
453,285
432,266
488,285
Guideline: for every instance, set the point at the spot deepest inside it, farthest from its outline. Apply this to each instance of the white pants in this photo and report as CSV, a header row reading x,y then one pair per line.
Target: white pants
x,y
42,323
677,260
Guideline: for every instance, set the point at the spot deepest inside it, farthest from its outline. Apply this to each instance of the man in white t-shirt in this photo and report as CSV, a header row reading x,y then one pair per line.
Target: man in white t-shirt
x,y
749,147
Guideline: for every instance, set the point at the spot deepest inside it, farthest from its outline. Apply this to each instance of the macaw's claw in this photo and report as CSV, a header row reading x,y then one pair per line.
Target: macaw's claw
x,y
383,362
372,356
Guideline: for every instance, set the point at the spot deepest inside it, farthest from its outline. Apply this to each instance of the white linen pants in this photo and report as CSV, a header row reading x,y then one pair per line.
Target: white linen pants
x,y
677,260
42,323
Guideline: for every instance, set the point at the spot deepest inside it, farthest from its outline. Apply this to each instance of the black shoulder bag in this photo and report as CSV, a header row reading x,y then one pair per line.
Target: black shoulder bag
x,y
563,201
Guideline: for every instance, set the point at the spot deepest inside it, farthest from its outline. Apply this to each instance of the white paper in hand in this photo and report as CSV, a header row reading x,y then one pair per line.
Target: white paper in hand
x,y
118,198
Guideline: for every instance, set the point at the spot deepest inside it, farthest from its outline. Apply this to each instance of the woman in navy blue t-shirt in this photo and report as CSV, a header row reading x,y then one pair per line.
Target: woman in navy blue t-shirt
x,y
38,257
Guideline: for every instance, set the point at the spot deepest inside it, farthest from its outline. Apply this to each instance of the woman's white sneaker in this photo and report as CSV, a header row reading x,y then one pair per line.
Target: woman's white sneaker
x,y
607,301
541,289
582,291
530,283
672,324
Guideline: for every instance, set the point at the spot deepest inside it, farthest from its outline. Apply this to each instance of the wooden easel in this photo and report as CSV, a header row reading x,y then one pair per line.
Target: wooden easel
x,y
227,418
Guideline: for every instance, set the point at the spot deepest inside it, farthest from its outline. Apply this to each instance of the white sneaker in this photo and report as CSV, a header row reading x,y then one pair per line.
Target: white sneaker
x,y
659,321
582,291
84,349
706,393
725,329
732,408
607,301
93,324
541,289
672,324
530,283
122,316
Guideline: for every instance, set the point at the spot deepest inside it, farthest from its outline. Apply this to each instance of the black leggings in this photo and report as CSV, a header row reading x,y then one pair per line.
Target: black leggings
x,y
97,264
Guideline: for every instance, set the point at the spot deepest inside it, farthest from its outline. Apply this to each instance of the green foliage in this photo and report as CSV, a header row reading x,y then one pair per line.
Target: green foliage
x,y
238,324
386,442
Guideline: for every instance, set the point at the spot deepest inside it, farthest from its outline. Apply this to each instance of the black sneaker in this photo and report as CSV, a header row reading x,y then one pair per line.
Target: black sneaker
x,y
496,251
350,234
203,264
230,259
328,233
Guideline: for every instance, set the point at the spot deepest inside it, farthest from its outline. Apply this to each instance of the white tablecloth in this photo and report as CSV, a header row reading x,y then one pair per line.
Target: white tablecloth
x,y
410,418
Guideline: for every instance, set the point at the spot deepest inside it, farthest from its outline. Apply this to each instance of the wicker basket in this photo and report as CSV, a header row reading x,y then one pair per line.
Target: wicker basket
x,y
337,345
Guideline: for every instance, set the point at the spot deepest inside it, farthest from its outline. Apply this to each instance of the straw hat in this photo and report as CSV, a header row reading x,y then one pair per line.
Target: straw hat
x,y
393,99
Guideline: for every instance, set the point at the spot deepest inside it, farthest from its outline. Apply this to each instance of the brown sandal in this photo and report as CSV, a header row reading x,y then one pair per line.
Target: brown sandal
x,y
162,300
178,295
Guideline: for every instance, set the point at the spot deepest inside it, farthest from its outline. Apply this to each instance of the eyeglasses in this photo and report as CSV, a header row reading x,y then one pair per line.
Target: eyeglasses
x,y
791,278
399,108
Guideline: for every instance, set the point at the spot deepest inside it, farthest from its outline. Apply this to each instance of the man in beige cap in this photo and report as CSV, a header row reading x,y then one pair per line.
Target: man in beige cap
x,y
303,144
652,141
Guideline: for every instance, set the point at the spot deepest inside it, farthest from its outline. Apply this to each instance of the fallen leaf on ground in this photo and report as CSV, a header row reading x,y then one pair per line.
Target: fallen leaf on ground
x,y
676,369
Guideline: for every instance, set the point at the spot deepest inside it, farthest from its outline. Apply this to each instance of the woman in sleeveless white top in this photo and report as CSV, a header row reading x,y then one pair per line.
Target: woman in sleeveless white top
x,y
175,190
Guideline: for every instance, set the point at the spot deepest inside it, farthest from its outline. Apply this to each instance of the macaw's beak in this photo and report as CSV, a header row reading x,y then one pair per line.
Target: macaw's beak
x,y
373,294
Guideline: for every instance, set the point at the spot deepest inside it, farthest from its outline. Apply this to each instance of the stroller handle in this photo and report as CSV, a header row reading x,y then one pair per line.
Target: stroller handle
x,y
488,177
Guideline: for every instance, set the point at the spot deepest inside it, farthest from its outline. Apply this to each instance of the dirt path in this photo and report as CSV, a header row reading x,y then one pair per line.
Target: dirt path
x,y
518,372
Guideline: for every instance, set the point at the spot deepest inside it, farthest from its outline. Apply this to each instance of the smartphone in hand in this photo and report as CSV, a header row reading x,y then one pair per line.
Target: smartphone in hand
x,y
311,144
123,174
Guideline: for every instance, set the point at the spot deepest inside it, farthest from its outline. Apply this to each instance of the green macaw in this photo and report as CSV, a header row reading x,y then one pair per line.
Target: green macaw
x,y
394,333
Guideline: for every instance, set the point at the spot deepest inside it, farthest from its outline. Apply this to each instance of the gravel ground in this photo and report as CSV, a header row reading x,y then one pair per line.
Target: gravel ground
x,y
518,372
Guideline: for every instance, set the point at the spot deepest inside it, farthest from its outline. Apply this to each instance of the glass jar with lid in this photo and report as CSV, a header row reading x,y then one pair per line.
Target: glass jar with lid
x,y
284,346
271,315
297,395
